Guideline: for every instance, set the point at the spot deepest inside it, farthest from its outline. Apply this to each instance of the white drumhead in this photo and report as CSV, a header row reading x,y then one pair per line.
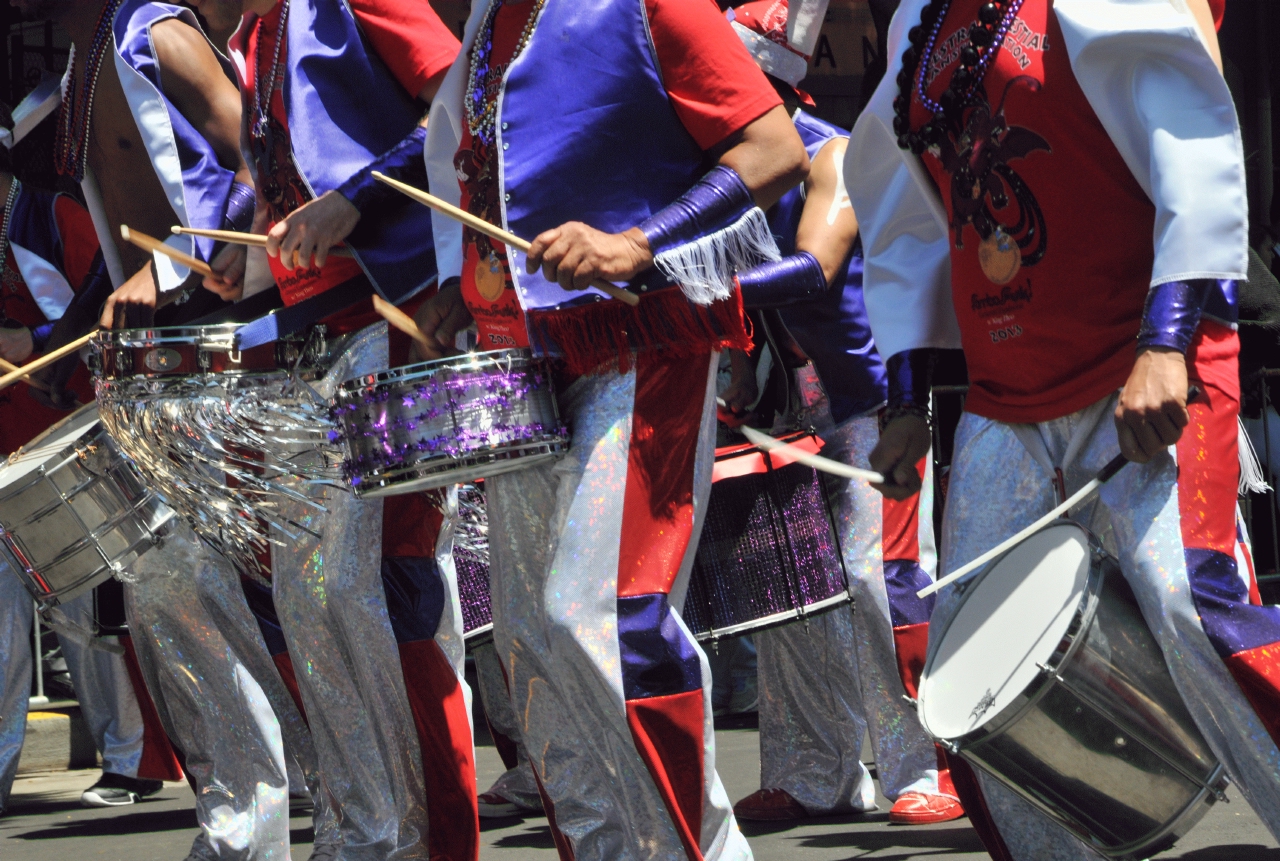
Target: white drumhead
x,y
48,445
1010,621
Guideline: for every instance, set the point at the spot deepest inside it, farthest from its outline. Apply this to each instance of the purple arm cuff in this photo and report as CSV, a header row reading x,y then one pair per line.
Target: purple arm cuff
x,y
911,378
404,161
40,337
792,280
716,201
1173,311
241,202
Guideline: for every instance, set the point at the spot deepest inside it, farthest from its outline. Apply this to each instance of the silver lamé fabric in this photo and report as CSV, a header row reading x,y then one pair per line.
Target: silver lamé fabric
x,y
516,784
827,681
554,534
327,585
209,701
999,486
101,680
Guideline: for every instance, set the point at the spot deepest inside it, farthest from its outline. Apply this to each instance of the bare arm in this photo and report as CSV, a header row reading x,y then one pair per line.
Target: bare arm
x,y
1204,18
828,226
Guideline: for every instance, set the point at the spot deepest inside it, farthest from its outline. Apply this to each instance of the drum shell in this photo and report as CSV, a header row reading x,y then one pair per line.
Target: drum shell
x,y
1102,741
769,553
441,423
79,517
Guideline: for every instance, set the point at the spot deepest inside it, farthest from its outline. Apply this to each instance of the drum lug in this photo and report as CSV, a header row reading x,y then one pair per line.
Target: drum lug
x,y
124,362
1049,671
915,704
949,746
204,360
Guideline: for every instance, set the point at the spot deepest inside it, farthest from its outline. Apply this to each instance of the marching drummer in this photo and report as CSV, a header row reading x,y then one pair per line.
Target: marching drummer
x,y
999,159
873,656
366,630
612,692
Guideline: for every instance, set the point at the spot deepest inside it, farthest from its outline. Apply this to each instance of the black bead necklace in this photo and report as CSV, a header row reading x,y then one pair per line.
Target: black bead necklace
x,y
995,17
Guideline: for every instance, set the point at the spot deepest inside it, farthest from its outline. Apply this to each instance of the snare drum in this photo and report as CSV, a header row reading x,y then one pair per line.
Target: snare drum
x,y
1048,678
471,561
769,553
448,422
74,510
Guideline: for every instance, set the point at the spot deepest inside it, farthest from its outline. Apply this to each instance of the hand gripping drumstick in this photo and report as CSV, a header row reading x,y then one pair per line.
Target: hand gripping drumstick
x,y
150,243
825,464
253,240
47,359
479,225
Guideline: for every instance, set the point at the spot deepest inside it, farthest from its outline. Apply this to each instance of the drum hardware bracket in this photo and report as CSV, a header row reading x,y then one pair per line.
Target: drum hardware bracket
x,y
912,701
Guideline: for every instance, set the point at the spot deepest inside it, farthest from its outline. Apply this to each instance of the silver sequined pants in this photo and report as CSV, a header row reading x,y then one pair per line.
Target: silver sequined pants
x,y
557,545
209,701
517,784
1001,481
825,683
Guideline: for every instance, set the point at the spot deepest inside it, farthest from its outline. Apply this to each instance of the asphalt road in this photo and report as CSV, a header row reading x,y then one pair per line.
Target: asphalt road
x,y
46,823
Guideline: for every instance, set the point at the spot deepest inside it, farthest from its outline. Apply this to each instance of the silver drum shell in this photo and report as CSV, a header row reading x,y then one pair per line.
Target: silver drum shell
x,y
1101,741
81,516
449,421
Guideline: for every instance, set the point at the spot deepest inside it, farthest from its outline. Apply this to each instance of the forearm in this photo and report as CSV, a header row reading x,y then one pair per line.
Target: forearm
x,y
910,377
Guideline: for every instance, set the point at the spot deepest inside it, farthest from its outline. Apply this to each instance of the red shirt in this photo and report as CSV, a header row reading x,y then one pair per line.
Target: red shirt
x,y
414,44
21,418
715,88
1049,308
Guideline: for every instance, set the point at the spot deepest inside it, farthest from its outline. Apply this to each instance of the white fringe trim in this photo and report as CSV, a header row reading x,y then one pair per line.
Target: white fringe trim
x,y
1251,477
704,268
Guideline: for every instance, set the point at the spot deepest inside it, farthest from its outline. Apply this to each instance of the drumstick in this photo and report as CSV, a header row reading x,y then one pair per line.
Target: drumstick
x,y
10,367
253,240
47,359
403,322
479,225
824,464
150,243
1103,476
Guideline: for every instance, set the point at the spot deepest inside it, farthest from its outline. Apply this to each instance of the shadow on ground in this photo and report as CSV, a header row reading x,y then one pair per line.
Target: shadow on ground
x,y
139,822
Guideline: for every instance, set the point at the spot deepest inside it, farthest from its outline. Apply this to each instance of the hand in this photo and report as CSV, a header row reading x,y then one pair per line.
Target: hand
x,y
1153,404
441,318
742,392
132,306
227,280
903,442
16,345
311,230
574,255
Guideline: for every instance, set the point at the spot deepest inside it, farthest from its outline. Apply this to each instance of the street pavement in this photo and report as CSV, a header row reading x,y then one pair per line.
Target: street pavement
x,y
46,823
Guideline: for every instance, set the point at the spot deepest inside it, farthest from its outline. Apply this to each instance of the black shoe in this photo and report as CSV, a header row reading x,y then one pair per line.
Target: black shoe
x,y
116,790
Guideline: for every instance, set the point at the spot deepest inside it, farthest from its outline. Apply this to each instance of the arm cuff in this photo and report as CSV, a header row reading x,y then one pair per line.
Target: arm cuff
x,y
911,378
404,161
1172,313
40,337
716,201
241,202
792,280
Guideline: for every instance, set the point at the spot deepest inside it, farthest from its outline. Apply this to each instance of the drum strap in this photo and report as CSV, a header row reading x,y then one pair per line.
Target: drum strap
x,y
295,318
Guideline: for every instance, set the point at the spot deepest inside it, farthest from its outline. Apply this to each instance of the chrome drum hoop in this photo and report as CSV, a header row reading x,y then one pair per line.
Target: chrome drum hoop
x,y
448,421
1102,704
80,516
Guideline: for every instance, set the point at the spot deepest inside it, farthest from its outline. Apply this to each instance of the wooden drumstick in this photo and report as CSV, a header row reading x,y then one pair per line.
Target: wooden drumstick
x,y
9,367
253,240
46,360
402,321
479,225
150,243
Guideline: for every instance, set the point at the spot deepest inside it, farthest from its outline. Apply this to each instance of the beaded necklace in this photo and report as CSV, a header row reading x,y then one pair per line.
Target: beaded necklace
x,y
71,149
986,37
14,188
261,100
482,111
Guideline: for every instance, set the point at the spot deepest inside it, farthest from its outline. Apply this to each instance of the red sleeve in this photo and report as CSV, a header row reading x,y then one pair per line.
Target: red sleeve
x,y
409,37
79,239
715,86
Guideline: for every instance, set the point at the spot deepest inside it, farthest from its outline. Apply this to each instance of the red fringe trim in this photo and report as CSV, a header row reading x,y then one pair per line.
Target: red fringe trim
x,y
597,338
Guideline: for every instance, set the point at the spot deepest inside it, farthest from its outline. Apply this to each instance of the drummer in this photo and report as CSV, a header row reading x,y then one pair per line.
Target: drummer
x,y
1080,337
811,746
612,692
375,654
53,276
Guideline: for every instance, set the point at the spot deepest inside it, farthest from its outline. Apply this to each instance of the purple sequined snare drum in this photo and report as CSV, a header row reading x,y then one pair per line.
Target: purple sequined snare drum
x,y
471,561
769,553
448,421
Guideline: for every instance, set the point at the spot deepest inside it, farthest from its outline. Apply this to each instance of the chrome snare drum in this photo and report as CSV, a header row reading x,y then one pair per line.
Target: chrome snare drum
x,y
769,553
74,511
449,421
1048,678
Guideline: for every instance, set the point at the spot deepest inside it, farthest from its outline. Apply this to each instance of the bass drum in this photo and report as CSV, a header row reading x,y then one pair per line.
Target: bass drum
x,y
1049,680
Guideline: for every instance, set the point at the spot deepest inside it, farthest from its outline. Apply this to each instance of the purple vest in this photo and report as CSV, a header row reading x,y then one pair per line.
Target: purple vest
x,y
345,110
833,331
35,243
586,132
196,185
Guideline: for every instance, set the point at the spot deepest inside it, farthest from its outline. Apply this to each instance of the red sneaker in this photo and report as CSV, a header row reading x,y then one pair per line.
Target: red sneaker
x,y
916,808
769,805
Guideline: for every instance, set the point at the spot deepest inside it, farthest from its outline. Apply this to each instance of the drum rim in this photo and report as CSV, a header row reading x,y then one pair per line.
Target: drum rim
x,y
159,335
1081,620
520,358
94,430
394,486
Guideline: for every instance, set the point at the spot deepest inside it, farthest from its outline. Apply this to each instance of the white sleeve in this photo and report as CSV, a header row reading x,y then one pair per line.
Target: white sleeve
x,y
905,239
1144,68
